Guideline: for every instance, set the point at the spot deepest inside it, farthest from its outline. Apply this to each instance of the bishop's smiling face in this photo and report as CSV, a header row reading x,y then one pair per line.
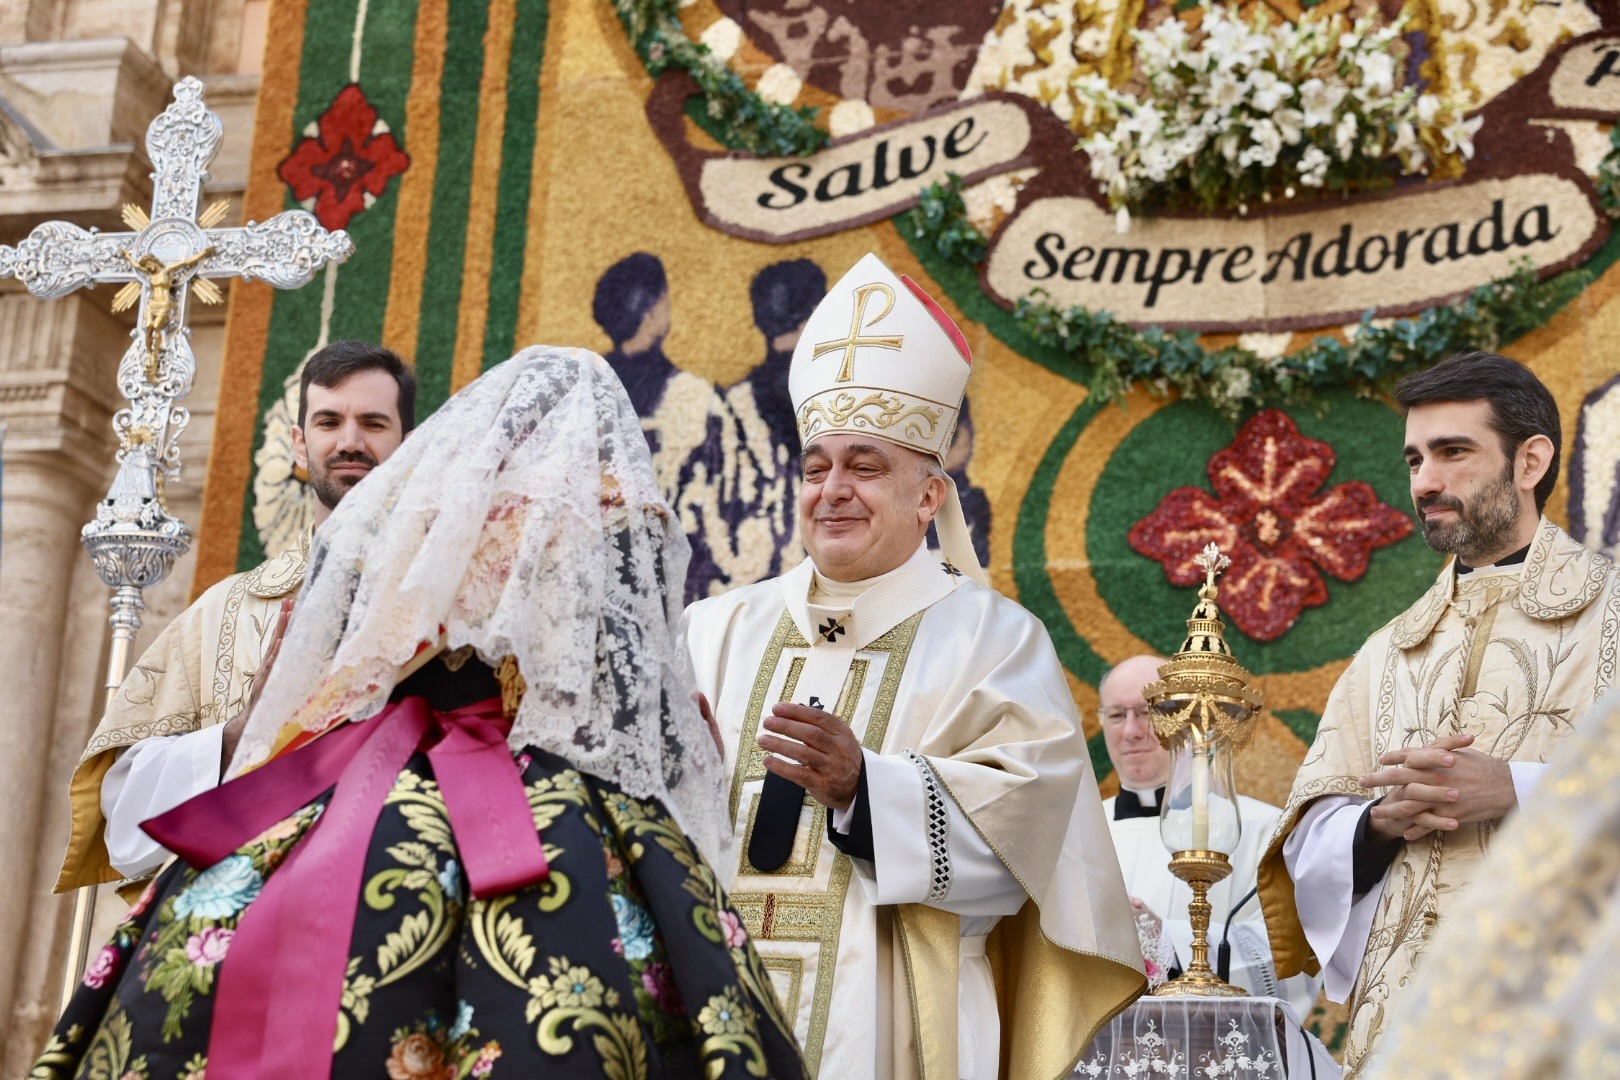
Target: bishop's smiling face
x,y
865,505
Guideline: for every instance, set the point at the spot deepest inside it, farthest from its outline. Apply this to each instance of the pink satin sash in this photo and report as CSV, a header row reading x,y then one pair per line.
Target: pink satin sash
x,y
276,1005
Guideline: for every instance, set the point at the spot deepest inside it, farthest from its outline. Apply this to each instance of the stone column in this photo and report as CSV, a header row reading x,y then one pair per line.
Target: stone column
x,y
56,374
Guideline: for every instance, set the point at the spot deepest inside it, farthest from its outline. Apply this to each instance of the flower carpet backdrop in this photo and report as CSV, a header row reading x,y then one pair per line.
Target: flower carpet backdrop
x,y
1191,245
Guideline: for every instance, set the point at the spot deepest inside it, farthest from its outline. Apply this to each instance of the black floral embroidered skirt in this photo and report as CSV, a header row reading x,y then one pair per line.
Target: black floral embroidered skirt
x,y
625,962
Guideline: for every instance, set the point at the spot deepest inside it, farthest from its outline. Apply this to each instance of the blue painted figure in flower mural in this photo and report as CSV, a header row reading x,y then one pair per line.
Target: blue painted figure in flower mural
x,y
473,818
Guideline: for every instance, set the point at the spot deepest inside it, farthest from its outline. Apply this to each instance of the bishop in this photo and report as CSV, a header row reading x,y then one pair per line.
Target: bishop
x,y
911,793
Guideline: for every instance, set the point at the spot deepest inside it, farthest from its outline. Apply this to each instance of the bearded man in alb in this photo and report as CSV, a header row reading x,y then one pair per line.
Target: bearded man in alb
x,y
171,727
924,864
1439,727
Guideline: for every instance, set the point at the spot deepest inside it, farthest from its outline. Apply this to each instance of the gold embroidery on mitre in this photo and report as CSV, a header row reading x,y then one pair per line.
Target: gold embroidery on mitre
x,y
918,421
857,323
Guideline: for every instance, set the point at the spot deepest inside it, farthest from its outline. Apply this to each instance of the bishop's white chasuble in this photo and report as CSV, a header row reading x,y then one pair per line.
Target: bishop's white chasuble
x,y
975,755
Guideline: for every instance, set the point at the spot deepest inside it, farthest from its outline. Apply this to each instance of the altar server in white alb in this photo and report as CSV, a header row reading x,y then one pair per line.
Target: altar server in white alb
x,y
911,789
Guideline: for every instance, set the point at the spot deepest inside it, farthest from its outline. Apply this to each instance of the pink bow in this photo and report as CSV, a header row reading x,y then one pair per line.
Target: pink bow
x,y
276,1005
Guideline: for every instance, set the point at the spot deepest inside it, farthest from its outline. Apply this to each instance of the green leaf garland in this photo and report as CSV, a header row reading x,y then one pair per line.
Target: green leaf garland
x,y
1107,355
738,117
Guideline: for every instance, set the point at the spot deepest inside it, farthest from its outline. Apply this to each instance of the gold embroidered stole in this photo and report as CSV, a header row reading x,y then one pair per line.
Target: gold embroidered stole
x,y
1487,671
796,913
195,674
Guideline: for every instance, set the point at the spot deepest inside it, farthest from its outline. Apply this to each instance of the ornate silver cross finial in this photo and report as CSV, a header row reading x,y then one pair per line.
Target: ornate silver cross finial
x,y
168,256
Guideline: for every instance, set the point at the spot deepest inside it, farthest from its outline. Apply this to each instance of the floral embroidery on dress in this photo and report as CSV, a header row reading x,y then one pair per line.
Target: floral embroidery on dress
x,y
568,987
109,1055
724,1015
484,1063
607,1001
191,932
659,981
221,891
104,966
428,1051
731,1027
207,947
731,927
635,927
417,1057
58,1052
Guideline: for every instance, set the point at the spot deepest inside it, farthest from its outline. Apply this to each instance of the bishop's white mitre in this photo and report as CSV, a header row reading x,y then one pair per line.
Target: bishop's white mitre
x,y
878,357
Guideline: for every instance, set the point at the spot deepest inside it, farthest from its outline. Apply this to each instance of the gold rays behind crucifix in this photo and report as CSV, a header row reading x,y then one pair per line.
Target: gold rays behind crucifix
x,y
125,298
205,291
214,214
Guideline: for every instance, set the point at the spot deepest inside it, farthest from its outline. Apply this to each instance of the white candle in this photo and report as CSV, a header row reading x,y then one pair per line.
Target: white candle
x,y
1200,795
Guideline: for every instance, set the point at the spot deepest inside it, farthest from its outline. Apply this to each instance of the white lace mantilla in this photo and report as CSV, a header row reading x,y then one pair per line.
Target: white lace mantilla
x,y
524,519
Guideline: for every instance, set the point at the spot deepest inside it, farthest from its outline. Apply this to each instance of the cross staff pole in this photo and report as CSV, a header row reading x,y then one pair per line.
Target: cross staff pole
x,y
168,256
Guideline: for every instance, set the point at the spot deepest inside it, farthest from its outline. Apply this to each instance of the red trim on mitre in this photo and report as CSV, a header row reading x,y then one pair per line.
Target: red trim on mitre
x,y
944,320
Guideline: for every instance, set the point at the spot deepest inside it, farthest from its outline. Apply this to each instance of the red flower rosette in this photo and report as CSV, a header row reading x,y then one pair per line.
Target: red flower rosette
x,y
347,163
1270,516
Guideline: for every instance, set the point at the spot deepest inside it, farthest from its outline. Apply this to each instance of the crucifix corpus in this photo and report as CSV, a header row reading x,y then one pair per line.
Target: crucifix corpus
x,y
168,256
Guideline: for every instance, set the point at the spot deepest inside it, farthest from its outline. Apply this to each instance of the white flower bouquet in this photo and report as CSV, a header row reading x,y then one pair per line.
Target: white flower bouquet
x,y
1235,112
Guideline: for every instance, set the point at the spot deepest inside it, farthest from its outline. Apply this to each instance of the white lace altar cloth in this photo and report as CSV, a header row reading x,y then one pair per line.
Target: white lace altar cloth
x,y
1195,1038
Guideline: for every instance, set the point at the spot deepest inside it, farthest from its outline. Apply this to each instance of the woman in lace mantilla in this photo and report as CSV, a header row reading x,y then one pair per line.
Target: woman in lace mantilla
x,y
473,815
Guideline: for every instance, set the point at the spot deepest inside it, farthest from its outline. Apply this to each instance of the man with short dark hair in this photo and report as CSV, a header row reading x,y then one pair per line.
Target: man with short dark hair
x,y
171,727
356,403
1446,714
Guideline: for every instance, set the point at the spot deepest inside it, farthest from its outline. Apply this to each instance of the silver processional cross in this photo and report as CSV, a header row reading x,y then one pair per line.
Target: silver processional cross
x,y
166,257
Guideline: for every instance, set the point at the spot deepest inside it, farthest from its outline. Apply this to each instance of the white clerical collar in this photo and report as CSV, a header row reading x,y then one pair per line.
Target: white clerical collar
x,y
1148,797
882,603
1511,563
1475,573
824,590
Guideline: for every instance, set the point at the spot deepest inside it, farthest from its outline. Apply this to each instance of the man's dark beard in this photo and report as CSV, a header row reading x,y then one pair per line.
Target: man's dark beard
x,y
331,489
1483,526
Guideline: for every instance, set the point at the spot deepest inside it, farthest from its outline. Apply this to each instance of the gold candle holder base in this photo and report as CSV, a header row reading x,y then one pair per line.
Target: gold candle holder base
x,y
1200,869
